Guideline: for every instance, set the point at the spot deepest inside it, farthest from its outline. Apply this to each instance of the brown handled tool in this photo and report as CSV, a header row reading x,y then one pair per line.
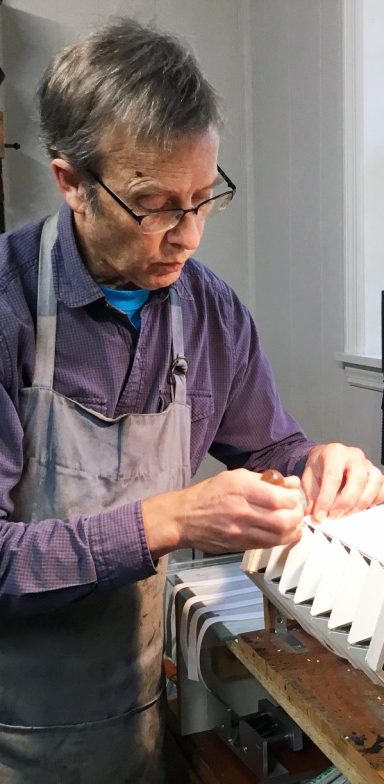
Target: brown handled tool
x,y
273,477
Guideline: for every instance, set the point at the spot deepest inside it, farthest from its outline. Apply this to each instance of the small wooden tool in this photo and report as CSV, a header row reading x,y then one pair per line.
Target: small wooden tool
x,y
273,477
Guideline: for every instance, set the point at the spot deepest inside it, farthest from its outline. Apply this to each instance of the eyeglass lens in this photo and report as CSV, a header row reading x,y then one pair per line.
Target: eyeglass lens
x,y
163,221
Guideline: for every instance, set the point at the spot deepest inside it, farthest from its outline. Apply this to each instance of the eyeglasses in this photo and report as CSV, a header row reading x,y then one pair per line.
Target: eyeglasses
x,y
163,220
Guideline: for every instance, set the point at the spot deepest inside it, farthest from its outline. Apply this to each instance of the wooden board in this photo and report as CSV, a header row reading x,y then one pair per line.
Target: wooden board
x,y
340,709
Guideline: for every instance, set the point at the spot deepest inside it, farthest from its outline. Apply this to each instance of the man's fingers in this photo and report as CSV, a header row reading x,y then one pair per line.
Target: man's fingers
x,y
262,494
339,480
324,492
373,491
256,534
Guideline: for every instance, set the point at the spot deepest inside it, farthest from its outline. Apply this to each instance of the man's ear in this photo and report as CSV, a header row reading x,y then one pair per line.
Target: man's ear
x,y
69,184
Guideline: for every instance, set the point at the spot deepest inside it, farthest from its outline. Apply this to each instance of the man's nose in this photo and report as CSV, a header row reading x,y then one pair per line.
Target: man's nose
x,y
187,231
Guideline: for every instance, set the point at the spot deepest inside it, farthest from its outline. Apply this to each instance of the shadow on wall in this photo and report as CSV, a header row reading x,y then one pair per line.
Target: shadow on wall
x,y
30,191
29,41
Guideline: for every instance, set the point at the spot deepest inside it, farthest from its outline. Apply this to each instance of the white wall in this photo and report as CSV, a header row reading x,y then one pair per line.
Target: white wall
x,y
298,209
298,140
278,65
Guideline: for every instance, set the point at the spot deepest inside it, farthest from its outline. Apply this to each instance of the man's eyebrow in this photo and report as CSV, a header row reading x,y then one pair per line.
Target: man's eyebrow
x,y
155,186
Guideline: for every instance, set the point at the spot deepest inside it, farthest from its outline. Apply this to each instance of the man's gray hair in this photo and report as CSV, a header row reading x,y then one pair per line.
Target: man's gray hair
x,y
123,74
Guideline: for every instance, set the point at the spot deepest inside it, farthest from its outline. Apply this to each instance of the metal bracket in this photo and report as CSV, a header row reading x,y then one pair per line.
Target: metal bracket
x,y
253,737
282,632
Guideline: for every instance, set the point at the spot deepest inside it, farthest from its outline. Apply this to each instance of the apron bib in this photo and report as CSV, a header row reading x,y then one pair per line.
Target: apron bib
x,y
81,687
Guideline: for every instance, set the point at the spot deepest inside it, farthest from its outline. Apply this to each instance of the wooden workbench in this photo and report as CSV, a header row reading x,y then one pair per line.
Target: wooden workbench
x,y
337,706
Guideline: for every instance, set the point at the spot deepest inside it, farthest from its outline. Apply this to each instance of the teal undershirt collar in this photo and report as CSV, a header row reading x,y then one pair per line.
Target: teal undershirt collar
x,y
129,302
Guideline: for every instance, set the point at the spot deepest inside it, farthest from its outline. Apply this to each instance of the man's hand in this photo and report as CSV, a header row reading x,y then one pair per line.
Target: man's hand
x,y
231,512
338,480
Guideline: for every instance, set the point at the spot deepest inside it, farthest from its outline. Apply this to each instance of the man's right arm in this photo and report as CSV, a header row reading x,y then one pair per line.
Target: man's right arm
x,y
51,562
230,512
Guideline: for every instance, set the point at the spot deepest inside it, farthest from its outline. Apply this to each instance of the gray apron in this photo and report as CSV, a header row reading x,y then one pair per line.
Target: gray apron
x,y
81,686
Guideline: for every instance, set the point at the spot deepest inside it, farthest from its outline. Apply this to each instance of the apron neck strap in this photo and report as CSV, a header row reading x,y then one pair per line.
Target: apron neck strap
x,y
46,309
179,366
47,318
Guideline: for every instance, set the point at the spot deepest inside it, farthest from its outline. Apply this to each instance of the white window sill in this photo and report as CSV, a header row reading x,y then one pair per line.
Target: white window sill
x,y
362,370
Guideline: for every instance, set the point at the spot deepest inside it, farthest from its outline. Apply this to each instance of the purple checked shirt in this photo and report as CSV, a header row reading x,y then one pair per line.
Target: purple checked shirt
x,y
104,364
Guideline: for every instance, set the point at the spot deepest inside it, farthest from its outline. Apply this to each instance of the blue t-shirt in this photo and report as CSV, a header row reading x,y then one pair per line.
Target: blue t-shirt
x,y
129,302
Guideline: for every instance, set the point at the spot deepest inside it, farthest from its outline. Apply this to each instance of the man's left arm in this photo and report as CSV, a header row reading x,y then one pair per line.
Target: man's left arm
x,y
257,433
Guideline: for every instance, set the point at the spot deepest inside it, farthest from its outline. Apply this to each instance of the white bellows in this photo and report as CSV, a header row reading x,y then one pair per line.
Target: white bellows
x,y
332,582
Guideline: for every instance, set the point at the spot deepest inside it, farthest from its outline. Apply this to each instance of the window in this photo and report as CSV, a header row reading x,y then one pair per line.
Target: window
x,y
363,176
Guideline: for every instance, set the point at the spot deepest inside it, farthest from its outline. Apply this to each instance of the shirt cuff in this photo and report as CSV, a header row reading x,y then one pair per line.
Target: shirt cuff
x,y
119,545
298,468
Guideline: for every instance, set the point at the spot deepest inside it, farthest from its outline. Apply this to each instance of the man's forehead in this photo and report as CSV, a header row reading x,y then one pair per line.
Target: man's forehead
x,y
144,160
136,155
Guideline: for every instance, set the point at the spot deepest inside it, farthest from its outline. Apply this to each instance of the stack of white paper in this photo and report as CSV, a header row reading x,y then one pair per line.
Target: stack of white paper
x,y
220,593
332,582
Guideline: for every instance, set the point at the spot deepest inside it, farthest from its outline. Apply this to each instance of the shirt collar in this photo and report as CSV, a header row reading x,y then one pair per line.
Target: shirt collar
x,y
74,286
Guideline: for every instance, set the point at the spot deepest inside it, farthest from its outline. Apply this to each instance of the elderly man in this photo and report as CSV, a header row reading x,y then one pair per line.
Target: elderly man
x,y
123,362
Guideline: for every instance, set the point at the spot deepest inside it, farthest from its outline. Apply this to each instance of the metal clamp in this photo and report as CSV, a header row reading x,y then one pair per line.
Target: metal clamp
x,y
254,739
179,367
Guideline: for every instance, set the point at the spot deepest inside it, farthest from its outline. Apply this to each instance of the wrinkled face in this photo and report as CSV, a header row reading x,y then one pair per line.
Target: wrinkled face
x,y
116,250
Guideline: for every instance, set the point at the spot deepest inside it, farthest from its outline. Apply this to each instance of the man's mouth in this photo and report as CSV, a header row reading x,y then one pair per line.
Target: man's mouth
x,y
168,266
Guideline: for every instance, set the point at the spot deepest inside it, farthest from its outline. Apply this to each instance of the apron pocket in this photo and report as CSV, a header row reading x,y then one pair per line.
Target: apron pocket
x,y
125,749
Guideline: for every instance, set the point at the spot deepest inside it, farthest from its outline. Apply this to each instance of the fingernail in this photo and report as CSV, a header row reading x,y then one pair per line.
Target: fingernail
x,y
320,515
